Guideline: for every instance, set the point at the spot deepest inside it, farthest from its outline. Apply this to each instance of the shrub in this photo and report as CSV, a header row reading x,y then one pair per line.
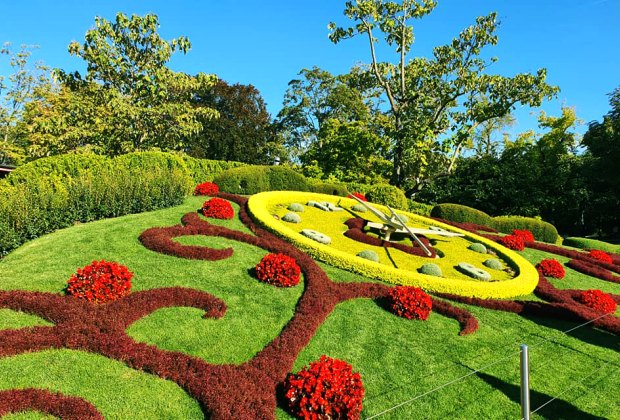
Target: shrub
x,y
296,207
431,269
325,187
524,233
410,302
598,301
541,230
473,271
387,195
551,268
420,208
279,270
600,256
478,247
460,214
512,242
493,264
359,208
206,169
327,389
218,208
206,188
100,282
291,218
254,179
588,243
358,195
369,255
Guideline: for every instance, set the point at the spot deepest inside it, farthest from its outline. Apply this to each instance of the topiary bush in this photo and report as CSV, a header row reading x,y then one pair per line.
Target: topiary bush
x,y
100,282
291,217
218,208
254,179
388,195
326,187
478,247
420,208
541,230
431,269
461,214
206,188
551,268
327,389
278,270
296,207
494,264
598,301
473,271
368,255
589,243
410,302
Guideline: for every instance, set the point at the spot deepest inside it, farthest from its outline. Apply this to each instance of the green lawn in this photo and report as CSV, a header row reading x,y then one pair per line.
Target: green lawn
x,y
398,359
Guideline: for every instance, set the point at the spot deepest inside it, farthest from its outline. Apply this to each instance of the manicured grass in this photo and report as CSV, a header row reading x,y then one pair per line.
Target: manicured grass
x,y
398,359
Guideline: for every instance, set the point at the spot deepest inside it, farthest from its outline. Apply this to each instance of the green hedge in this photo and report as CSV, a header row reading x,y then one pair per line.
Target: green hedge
x,y
55,192
327,187
256,178
588,243
202,170
388,195
541,230
461,214
420,208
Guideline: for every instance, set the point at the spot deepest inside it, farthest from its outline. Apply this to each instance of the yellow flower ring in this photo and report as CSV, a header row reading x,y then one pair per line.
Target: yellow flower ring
x,y
394,266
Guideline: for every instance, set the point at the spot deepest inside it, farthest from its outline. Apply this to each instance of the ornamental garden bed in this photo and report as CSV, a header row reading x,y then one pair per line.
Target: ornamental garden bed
x,y
203,336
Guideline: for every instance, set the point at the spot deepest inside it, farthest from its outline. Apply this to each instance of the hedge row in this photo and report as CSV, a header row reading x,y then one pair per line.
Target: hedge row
x,y
542,231
588,243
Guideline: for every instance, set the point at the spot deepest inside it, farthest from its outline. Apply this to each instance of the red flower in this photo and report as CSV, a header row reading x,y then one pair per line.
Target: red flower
x,y
551,268
206,188
358,195
100,282
218,208
410,302
525,234
598,301
279,270
513,242
601,256
328,389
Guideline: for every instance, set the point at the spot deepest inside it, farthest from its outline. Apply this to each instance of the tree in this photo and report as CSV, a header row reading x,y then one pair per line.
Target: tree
x,y
128,96
15,93
484,142
243,132
435,104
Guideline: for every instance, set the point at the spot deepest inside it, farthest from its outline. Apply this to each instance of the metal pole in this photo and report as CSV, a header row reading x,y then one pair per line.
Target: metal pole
x,y
525,383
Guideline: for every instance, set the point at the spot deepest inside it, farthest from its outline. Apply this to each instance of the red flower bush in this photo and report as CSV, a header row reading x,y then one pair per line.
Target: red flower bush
x,y
206,188
601,256
525,234
279,270
358,195
218,208
328,389
100,282
410,302
551,268
598,301
513,242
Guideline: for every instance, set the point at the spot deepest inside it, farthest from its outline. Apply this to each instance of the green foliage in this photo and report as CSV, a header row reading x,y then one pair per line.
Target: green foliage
x,y
541,230
202,170
327,187
297,207
359,208
291,217
478,247
459,213
431,269
388,195
420,208
589,243
55,192
368,255
255,179
494,264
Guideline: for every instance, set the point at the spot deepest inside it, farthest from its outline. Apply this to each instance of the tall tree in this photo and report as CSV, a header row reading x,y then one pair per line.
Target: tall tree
x,y
435,103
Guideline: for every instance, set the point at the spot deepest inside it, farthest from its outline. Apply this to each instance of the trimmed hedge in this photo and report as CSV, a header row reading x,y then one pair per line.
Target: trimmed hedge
x,y
326,187
543,231
254,179
460,213
202,170
587,243
55,192
420,208
388,195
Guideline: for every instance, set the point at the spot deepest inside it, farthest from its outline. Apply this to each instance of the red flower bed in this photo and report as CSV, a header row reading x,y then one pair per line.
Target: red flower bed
x,y
279,270
410,302
598,301
524,233
218,208
52,403
328,389
551,268
600,256
358,195
513,242
100,282
206,188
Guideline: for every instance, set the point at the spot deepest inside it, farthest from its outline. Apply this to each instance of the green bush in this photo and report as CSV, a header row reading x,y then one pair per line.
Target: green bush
x,y
588,243
431,269
296,207
368,255
292,217
202,170
254,179
387,195
541,230
420,208
358,187
478,247
325,187
461,214
55,192
493,263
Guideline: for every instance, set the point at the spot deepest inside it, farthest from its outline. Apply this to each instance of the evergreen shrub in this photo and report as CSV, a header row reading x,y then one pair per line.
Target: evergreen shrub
x,y
461,214
388,195
256,178
541,230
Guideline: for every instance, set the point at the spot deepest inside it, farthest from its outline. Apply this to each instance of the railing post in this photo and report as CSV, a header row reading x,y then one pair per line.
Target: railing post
x,y
525,383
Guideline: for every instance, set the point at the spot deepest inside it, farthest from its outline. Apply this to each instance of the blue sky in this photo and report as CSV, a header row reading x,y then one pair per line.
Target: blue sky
x,y
266,43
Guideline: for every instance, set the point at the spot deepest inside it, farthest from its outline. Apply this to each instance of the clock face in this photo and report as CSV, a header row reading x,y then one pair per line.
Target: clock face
x,y
376,243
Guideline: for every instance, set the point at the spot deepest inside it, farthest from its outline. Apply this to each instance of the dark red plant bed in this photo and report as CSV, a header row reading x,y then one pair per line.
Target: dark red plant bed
x,y
52,403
